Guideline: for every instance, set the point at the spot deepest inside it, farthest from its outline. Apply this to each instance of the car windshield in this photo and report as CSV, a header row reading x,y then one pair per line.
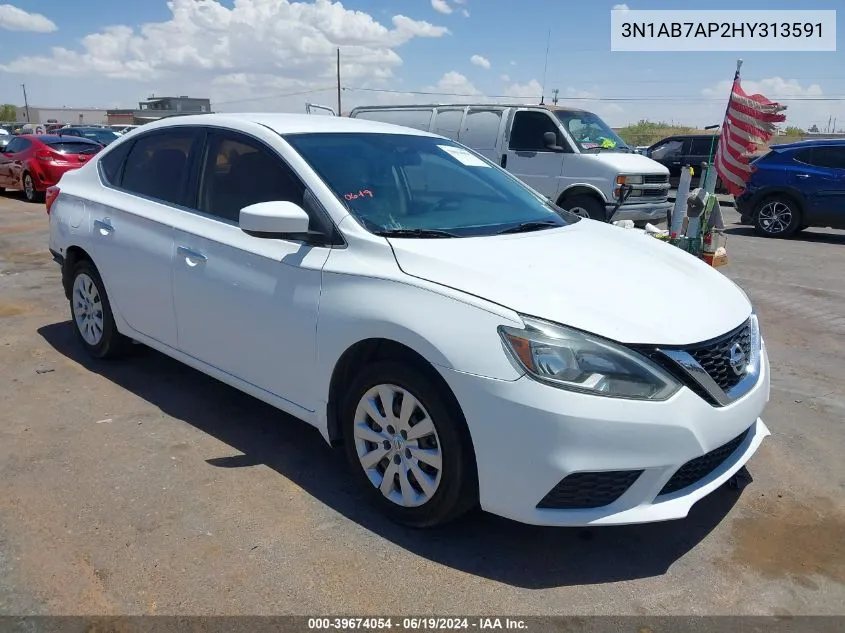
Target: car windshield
x,y
590,132
100,136
421,186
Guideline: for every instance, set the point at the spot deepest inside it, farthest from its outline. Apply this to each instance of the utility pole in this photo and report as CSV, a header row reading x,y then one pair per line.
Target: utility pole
x,y
554,97
339,111
25,102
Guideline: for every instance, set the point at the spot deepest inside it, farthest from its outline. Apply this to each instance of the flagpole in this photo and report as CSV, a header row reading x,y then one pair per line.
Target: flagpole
x,y
715,145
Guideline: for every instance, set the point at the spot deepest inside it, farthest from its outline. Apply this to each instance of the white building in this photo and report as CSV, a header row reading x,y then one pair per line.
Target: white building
x,y
72,116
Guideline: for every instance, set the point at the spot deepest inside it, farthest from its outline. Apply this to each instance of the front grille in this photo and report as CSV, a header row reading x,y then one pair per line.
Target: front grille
x,y
715,357
697,469
589,490
656,180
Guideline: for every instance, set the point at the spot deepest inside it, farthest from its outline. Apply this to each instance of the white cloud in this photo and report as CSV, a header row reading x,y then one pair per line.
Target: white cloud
x,y
255,48
465,13
441,6
505,78
620,7
455,84
527,91
14,19
478,60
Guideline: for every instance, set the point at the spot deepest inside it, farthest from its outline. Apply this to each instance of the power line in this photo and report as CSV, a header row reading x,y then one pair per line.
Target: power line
x,y
275,96
565,98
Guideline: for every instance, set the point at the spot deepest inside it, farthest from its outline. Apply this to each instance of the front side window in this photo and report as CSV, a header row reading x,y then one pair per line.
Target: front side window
x,y
396,183
111,164
528,129
590,131
158,165
239,172
667,150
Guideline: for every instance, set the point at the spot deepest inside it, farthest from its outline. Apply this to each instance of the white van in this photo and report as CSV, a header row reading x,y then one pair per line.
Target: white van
x,y
570,156
33,128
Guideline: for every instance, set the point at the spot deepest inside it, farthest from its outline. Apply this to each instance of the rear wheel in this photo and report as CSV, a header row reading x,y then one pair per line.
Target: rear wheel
x,y
29,191
777,216
585,206
407,445
92,316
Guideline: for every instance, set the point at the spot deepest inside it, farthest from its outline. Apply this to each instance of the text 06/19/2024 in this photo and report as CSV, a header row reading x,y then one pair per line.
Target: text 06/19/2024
x,y
792,30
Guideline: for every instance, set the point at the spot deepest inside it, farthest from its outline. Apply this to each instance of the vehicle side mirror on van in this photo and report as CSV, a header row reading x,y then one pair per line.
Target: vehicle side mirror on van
x,y
550,141
275,219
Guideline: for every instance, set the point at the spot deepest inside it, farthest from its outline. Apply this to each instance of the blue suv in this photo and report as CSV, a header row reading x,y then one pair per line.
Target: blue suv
x,y
796,186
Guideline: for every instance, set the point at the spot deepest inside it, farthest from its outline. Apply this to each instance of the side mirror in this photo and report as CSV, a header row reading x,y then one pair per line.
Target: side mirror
x,y
550,141
274,219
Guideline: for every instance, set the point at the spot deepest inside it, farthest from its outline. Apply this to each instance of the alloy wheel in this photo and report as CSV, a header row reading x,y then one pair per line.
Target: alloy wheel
x,y
88,309
28,187
774,217
397,445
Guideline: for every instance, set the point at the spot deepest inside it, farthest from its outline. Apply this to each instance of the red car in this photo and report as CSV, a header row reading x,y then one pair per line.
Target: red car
x,y
35,162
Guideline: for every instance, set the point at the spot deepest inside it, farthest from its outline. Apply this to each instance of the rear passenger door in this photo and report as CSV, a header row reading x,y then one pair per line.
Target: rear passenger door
x,y
481,131
248,305
146,183
699,152
821,177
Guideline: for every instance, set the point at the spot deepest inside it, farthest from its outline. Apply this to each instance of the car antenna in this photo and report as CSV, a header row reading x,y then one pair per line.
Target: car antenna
x,y
545,68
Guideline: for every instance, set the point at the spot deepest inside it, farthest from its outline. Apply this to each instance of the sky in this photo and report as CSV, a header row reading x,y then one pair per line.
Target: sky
x,y
274,55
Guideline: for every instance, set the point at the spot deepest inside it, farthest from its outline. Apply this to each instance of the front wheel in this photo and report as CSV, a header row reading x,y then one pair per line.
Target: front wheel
x,y
92,316
777,216
408,446
586,207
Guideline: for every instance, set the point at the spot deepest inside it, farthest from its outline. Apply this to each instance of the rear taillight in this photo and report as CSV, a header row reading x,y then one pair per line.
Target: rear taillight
x,y
47,157
51,196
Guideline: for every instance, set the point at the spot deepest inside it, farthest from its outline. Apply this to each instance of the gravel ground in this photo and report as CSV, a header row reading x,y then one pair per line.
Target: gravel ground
x,y
144,487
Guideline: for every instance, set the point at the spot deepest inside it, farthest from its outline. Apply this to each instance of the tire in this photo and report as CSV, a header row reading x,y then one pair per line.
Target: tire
x,y
446,492
586,206
95,328
777,216
29,191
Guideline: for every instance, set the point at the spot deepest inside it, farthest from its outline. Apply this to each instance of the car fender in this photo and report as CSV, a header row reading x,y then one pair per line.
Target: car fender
x,y
765,192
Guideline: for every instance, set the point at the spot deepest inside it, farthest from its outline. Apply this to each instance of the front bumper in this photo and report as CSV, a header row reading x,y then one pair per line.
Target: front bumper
x,y
528,437
645,212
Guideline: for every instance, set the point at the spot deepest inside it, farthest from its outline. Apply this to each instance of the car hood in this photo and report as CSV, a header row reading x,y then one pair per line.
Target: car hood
x,y
628,163
617,283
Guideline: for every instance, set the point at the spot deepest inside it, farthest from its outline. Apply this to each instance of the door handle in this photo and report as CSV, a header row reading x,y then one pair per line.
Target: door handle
x,y
104,227
504,162
192,258
802,175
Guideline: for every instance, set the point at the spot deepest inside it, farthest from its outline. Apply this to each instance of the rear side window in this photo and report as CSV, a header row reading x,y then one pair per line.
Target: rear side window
x,y
18,145
831,157
111,164
417,119
481,129
701,146
158,165
71,147
448,123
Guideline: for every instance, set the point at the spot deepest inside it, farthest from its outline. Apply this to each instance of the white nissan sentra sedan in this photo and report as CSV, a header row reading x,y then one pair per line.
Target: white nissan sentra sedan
x,y
467,342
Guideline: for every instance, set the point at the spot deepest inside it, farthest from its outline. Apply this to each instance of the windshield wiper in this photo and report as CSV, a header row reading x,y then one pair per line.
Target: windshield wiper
x,y
419,233
525,227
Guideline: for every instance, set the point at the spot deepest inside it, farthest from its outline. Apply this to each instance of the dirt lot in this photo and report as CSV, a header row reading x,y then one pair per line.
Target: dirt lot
x,y
146,487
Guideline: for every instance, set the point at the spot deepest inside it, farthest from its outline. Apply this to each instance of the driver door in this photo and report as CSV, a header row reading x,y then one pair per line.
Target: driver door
x,y
527,156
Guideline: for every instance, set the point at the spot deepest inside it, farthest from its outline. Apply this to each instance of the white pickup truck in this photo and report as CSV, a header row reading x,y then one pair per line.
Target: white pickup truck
x,y
570,156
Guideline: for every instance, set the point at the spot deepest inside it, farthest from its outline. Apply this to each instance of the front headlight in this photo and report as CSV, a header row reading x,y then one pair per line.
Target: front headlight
x,y
629,180
574,360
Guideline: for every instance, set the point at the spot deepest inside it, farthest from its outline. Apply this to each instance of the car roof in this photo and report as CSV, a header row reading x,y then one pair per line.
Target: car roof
x,y
288,123
56,138
814,142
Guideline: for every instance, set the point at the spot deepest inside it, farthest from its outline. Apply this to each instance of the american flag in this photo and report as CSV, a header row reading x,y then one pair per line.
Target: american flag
x,y
749,122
